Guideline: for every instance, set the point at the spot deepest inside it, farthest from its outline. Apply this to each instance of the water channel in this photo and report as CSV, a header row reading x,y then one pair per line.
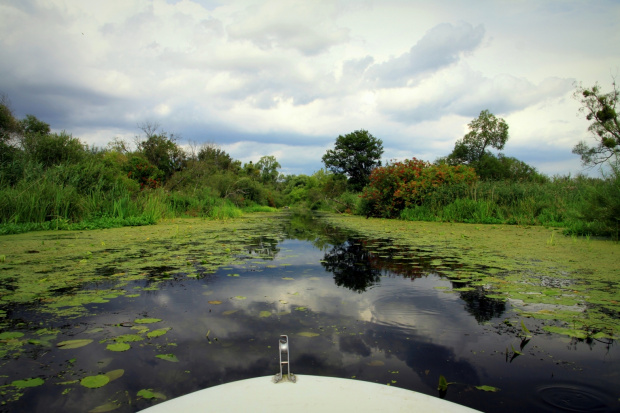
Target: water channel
x,y
353,307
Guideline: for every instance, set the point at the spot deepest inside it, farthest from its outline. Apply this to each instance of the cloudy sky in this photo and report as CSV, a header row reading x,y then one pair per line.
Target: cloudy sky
x,y
285,78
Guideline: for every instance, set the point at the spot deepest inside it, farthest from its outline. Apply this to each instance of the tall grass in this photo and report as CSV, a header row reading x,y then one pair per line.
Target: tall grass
x,y
554,203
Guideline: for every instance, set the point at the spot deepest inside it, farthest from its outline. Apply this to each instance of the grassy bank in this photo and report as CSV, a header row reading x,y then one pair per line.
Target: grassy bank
x,y
580,205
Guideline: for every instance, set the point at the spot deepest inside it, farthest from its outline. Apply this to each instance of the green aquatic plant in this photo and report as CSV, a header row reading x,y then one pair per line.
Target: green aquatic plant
x,y
118,347
525,333
115,374
147,320
71,344
488,388
10,335
443,384
106,407
150,394
128,338
21,384
94,382
168,357
158,332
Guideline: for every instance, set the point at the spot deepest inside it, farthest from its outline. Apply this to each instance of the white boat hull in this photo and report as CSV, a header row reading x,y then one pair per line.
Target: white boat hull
x,y
307,394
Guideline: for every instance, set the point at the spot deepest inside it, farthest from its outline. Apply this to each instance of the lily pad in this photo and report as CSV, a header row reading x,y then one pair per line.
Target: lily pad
x,y
487,388
168,357
10,335
147,320
94,382
150,394
118,347
20,384
307,334
158,332
106,407
115,374
229,312
70,344
128,338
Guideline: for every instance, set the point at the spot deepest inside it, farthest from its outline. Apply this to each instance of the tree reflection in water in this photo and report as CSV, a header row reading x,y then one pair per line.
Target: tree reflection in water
x,y
356,267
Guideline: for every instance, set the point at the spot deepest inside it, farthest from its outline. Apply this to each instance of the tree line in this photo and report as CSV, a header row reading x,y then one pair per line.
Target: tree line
x,y
53,180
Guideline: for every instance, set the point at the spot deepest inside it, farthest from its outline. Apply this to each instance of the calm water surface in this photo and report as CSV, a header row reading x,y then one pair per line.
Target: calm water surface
x,y
352,308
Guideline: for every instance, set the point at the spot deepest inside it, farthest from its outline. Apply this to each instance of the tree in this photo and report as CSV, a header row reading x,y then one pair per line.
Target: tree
x,y
600,110
485,131
9,125
268,166
161,150
355,155
212,155
31,125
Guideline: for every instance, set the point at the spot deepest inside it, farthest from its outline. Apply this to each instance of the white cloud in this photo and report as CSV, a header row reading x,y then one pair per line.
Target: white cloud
x,y
440,47
298,73
307,27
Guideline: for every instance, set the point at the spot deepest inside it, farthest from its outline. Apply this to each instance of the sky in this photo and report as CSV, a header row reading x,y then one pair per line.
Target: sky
x,y
285,78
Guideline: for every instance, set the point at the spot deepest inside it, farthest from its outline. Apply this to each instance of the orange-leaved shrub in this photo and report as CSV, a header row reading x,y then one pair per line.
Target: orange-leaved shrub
x,y
405,184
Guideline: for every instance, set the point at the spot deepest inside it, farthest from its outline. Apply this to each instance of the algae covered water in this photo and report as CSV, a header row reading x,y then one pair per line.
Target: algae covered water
x,y
118,320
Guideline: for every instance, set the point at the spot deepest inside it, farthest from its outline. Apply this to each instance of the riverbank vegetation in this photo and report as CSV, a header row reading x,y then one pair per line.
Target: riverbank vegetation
x,y
52,180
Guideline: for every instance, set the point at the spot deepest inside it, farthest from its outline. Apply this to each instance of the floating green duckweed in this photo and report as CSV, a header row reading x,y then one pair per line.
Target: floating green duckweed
x,y
265,314
308,334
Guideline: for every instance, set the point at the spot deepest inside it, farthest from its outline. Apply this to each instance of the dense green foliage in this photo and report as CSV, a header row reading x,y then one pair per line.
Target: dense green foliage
x,y
409,183
600,110
54,181
355,155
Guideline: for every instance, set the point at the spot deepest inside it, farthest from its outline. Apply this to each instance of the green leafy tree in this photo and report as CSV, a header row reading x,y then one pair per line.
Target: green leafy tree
x,y
10,155
215,157
52,148
485,131
9,125
31,125
268,167
355,155
162,152
600,110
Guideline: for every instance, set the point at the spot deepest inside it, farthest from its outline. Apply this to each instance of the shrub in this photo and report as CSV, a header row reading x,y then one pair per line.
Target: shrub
x,y
409,183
